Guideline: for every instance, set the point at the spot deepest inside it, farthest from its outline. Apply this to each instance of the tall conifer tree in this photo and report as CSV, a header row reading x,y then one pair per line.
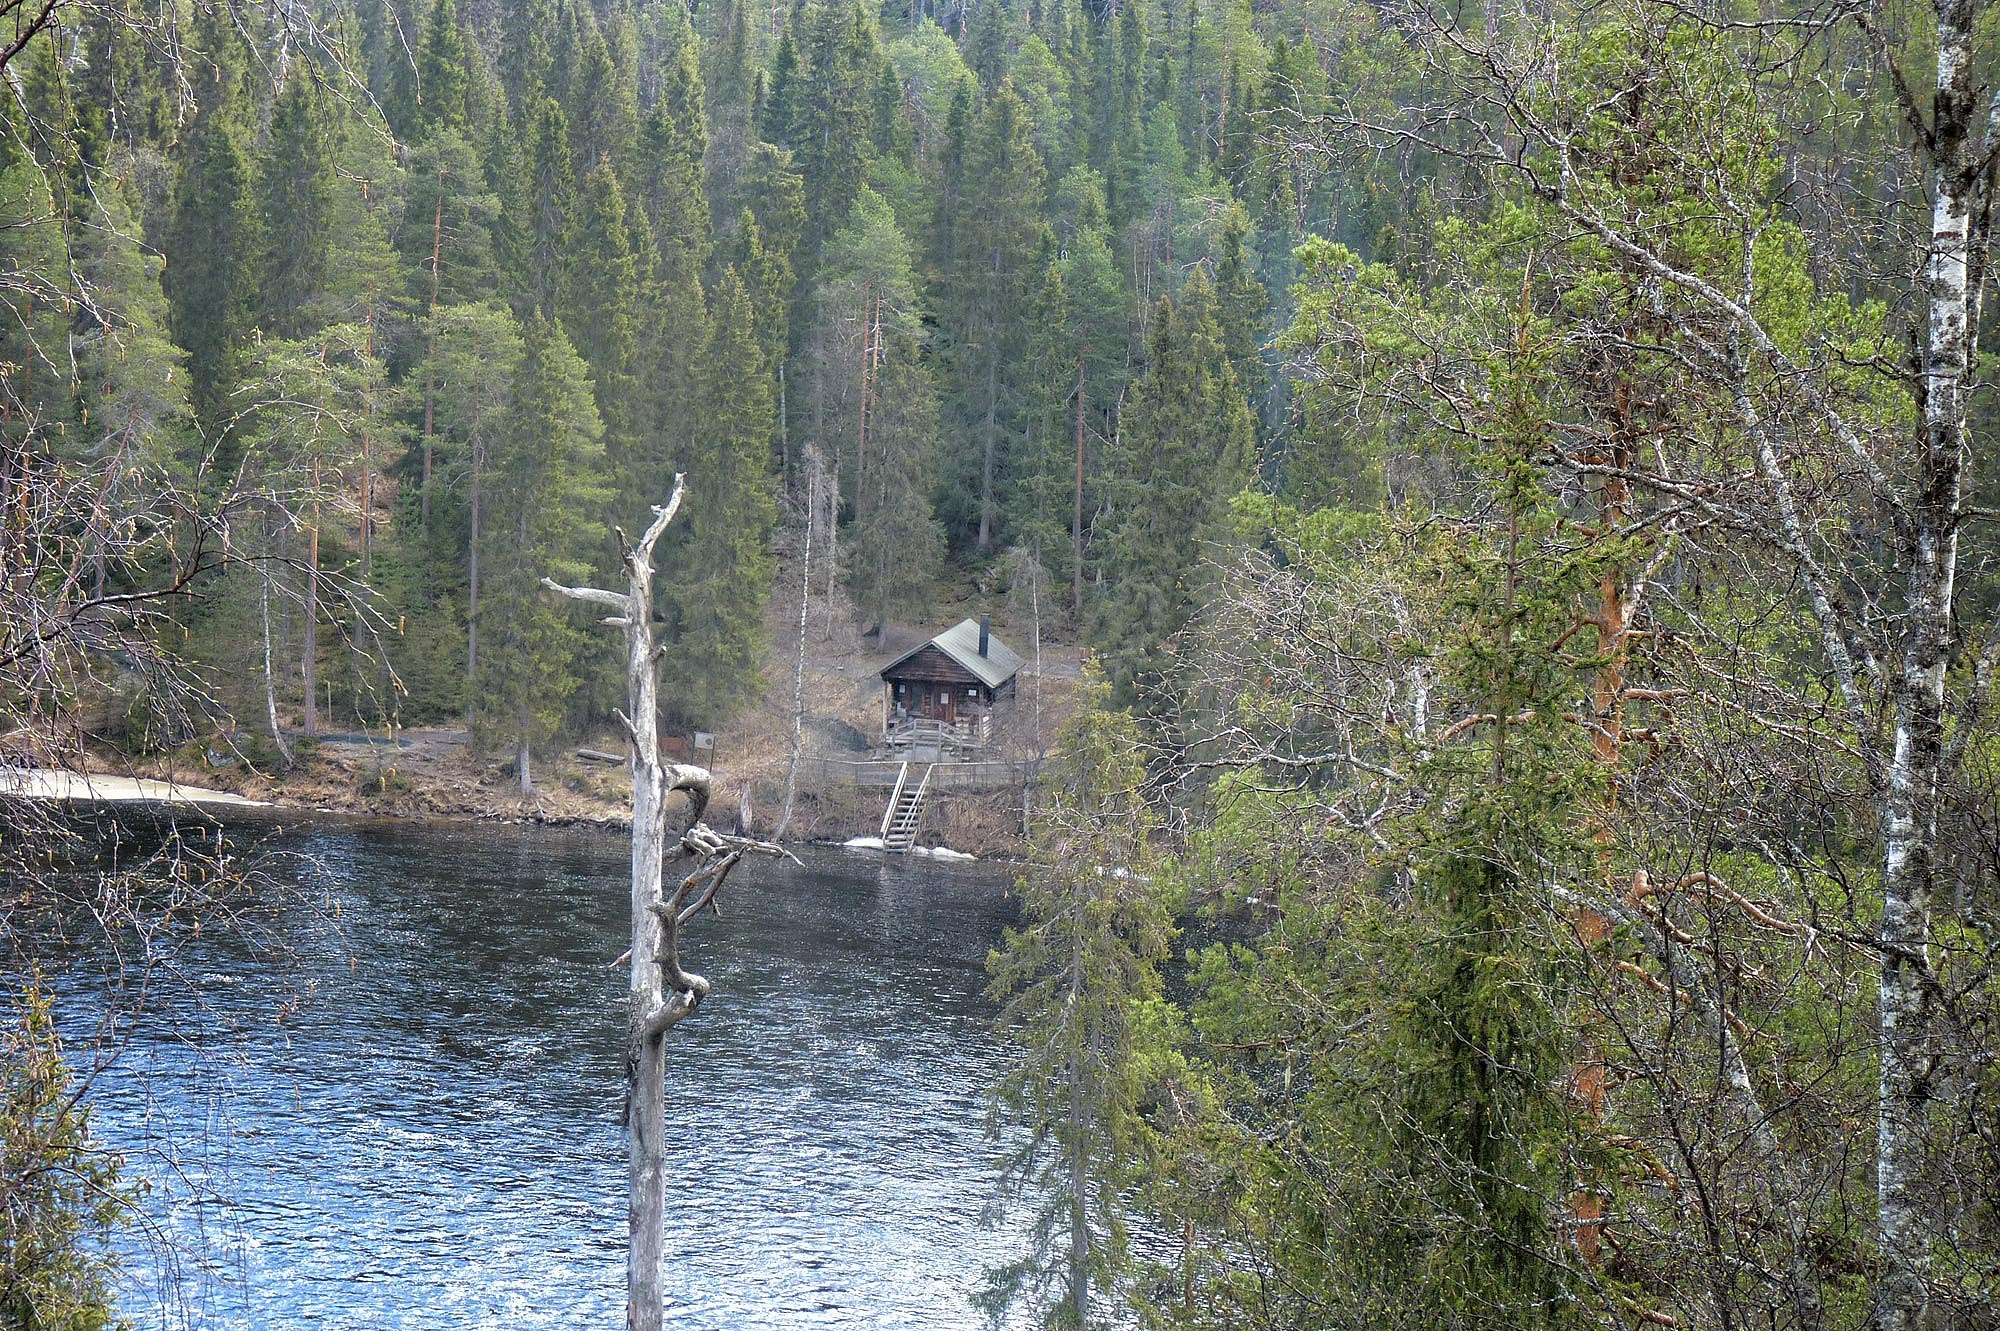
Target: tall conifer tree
x,y
992,286
1187,447
552,199
548,494
721,572
295,212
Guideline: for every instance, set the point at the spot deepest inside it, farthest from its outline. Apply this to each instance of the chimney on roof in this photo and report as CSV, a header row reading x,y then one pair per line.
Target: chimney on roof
x,y
985,634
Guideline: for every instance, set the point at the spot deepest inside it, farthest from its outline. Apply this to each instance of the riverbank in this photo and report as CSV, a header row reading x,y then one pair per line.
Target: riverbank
x,y
429,773
436,774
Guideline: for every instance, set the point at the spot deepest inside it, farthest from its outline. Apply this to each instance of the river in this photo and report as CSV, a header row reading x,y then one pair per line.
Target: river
x,y
432,1139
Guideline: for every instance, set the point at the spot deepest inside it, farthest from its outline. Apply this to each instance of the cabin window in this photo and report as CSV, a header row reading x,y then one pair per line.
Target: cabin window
x,y
899,690
972,693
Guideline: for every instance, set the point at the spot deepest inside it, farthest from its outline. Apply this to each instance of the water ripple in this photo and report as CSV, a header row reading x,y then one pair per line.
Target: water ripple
x,y
434,1141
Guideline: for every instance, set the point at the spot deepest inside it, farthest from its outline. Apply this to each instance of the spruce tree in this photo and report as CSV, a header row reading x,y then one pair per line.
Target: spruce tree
x,y
730,84
672,143
1187,447
551,183
527,31
990,292
719,580
820,110
444,74
602,105
548,496
1241,304
211,260
295,202
1083,1016
599,311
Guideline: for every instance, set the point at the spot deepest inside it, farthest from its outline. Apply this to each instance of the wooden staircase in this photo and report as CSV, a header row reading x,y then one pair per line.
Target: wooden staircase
x,y
906,810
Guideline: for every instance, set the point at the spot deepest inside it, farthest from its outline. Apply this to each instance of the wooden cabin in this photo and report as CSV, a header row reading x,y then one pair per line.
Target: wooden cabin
x,y
942,694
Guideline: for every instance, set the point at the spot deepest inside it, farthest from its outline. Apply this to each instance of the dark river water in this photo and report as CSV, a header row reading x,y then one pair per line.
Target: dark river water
x,y
432,1139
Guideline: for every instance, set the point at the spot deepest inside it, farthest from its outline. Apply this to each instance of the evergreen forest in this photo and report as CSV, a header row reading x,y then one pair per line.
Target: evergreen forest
x,y
1529,854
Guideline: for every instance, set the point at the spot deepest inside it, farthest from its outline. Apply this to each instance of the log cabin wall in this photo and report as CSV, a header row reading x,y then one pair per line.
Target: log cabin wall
x,y
932,685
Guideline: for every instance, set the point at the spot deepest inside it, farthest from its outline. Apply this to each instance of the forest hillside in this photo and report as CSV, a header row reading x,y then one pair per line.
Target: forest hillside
x,y
1524,854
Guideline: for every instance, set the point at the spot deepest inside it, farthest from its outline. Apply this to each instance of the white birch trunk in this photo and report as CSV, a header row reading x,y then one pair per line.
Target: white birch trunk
x,y
270,687
799,661
1914,781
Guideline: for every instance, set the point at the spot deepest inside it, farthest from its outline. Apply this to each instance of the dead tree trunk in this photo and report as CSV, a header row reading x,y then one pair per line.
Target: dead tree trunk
x,y
661,993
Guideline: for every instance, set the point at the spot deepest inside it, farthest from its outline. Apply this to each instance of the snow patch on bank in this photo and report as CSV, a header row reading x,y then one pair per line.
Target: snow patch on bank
x,y
44,784
928,852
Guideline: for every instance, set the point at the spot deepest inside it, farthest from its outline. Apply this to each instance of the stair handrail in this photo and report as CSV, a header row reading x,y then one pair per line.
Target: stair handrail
x,y
895,796
916,819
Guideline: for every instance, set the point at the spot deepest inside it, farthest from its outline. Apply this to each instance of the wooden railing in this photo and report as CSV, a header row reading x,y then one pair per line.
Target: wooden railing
x,y
985,774
970,732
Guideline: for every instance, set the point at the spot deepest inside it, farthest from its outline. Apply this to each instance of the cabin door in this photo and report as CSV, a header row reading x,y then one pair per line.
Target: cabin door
x,y
935,703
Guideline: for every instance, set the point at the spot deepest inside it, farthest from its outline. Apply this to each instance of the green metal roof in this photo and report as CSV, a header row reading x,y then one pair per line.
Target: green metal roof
x,y
961,643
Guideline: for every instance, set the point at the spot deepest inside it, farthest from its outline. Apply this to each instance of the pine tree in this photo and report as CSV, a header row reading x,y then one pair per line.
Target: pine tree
x,y
865,311
446,237
302,428
133,401
897,546
547,491
474,351
1083,374
66,1188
